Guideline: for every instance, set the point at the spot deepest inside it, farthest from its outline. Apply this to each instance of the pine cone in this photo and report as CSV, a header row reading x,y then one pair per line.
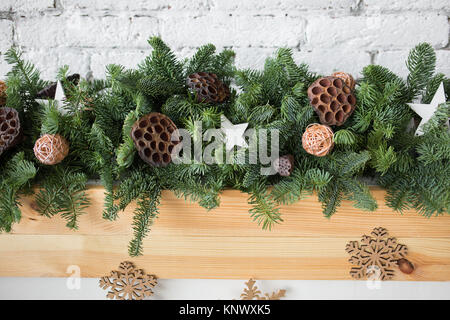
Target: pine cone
x,y
332,100
284,165
49,92
10,128
207,87
2,93
152,136
51,149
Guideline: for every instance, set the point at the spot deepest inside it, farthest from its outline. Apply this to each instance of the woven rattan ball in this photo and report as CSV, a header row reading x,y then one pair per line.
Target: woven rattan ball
x,y
152,136
2,93
332,100
207,87
51,149
347,78
10,128
318,139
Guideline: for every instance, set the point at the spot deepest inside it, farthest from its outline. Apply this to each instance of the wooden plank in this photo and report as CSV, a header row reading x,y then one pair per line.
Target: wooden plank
x,y
189,242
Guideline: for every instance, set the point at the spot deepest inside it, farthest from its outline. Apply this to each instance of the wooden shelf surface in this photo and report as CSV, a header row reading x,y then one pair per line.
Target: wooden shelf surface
x,y
189,242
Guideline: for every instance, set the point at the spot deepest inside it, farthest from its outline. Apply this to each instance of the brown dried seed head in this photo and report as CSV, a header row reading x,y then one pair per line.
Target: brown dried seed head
x,y
51,149
49,92
207,87
332,100
10,128
284,165
152,136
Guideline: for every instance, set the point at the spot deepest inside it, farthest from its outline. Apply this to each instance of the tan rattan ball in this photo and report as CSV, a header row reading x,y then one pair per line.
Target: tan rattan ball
x,y
2,93
318,139
51,149
347,78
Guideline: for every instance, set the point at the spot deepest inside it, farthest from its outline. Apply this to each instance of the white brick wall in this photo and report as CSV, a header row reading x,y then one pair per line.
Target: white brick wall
x,y
328,34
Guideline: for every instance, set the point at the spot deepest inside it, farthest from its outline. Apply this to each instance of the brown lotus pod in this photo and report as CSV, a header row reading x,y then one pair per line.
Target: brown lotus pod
x,y
49,92
332,100
152,136
51,149
347,78
10,128
284,165
207,87
405,266
2,93
318,139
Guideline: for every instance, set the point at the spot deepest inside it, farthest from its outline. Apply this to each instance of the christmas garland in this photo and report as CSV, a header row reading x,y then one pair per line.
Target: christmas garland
x,y
331,130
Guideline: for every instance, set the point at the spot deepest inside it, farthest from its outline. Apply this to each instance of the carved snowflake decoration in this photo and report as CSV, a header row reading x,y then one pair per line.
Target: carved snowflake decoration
x,y
253,293
376,254
128,283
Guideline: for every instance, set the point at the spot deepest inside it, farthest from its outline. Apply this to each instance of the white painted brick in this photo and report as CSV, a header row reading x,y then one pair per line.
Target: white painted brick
x,y
101,58
48,61
252,57
231,31
331,34
443,62
85,31
4,68
381,31
403,5
396,61
6,35
25,5
327,61
135,5
266,5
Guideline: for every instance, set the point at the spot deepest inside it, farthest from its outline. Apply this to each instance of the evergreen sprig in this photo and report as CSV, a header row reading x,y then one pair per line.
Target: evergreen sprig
x,y
376,141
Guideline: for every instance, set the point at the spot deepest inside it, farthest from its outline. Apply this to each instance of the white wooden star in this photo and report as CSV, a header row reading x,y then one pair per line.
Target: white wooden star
x,y
234,134
426,111
59,99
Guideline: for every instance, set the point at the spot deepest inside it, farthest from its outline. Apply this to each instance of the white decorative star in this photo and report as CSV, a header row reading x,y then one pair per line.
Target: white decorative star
x,y
60,97
426,111
234,134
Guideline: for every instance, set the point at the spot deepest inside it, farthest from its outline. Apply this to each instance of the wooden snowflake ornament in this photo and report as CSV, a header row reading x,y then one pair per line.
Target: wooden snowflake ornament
x,y
253,293
376,253
128,283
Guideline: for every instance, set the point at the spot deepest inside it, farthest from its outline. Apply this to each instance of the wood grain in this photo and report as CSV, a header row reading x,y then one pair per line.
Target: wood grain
x,y
189,242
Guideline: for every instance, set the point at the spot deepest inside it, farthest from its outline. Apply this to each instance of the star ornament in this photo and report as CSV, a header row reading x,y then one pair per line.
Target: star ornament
x,y
59,99
234,134
426,111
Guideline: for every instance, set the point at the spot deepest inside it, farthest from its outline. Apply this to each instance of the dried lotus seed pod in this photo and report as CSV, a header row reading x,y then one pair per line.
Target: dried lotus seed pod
x,y
332,100
152,136
207,87
10,128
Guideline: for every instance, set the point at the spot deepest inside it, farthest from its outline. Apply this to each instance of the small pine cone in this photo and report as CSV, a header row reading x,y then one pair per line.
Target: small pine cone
x,y
49,92
332,100
284,165
347,78
10,128
152,136
207,87
2,93
51,149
